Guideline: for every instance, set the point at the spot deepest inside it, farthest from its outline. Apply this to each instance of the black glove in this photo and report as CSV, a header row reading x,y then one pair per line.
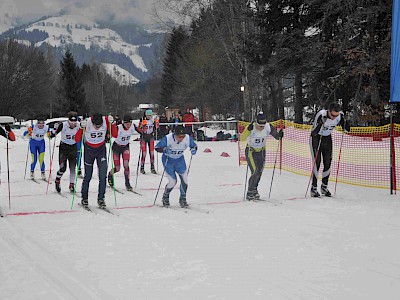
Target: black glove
x,y
323,119
250,127
346,127
159,150
280,134
7,127
107,140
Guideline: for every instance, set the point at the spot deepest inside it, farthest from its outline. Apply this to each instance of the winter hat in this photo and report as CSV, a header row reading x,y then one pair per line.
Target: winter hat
x,y
97,119
127,119
40,120
149,112
261,119
179,130
72,116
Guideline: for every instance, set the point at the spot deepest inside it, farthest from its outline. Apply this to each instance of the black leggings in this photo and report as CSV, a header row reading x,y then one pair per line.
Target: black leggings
x,y
325,150
256,162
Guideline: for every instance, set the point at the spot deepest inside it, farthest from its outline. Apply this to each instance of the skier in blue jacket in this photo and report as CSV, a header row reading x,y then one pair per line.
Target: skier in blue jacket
x,y
173,146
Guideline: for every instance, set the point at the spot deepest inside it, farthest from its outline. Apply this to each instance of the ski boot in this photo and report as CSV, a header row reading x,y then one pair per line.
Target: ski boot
x,y
44,176
325,191
142,170
256,195
314,192
101,203
110,180
128,186
71,187
85,203
165,200
250,196
182,202
58,187
32,175
153,171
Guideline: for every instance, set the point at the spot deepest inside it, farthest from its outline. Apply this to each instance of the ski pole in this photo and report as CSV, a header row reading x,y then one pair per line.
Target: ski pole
x,y
247,171
338,163
8,177
245,183
313,166
156,151
273,172
162,175
26,161
51,162
137,168
190,162
112,167
76,167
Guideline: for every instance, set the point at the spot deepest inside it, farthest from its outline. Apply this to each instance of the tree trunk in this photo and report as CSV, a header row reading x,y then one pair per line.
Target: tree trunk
x,y
298,104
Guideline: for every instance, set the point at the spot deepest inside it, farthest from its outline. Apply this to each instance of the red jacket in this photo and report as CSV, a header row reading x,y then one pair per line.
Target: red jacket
x,y
188,118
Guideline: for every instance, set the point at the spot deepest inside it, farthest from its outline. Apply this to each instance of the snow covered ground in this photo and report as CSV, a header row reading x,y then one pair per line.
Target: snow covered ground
x,y
291,247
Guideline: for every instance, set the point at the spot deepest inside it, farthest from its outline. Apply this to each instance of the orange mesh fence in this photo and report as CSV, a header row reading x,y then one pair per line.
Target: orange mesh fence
x,y
364,156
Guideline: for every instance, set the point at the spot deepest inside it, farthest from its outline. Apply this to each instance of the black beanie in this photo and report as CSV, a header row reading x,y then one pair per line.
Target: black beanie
x,y
97,119
261,119
127,119
179,130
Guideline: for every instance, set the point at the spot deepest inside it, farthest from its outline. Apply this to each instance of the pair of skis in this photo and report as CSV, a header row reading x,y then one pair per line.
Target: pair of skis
x,y
89,209
121,192
184,209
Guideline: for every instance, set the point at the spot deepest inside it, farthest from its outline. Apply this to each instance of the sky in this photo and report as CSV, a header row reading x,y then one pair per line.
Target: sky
x,y
118,11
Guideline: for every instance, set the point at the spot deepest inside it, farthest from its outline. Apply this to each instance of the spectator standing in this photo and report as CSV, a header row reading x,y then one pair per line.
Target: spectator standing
x,y
188,119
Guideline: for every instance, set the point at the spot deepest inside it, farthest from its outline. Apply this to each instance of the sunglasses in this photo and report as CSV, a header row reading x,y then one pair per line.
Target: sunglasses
x,y
334,115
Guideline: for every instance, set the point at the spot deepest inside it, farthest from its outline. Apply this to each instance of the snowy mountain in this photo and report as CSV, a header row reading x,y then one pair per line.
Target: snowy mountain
x,y
90,41
120,74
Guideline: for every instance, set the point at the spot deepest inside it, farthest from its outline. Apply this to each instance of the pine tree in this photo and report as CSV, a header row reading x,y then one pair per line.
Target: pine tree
x,y
173,55
72,88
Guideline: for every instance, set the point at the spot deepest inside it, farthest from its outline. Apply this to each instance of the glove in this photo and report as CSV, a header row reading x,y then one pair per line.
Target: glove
x,y
107,139
110,118
193,150
118,121
167,150
346,128
280,134
83,123
250,127
324,118
7,127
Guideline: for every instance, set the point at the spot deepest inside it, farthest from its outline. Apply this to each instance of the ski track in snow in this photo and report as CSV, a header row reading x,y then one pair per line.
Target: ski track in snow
x,y
287,247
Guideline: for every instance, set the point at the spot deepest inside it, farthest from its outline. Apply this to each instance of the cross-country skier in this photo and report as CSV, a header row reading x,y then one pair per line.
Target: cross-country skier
x,y
8,134
256,136
68,148
37,145
95,130
122,134
173,146
324,123
147,127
